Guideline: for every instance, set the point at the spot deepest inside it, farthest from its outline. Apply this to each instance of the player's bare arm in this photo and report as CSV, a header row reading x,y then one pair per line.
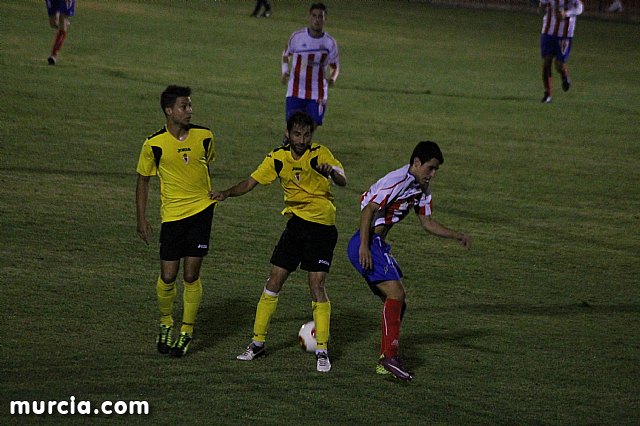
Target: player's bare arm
x,y
284,76
236,190
333,76
142,195
433,227
366,216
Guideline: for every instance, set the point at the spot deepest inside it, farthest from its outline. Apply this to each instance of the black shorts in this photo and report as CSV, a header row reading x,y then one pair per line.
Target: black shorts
x,y
307,244
188,237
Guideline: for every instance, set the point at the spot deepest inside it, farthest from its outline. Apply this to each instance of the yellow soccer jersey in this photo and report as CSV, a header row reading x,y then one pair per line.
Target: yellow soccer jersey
x,y
307,193
183,170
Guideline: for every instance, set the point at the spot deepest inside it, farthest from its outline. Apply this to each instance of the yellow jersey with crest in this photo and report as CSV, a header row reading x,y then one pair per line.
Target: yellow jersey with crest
x,y
307,193
183,170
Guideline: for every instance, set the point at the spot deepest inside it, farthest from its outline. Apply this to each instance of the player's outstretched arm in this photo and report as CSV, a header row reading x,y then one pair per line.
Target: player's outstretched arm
x,y
236,190
433,227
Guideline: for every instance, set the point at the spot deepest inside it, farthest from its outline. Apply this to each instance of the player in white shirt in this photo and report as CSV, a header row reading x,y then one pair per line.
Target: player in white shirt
x,y
558,25
310,54
384,204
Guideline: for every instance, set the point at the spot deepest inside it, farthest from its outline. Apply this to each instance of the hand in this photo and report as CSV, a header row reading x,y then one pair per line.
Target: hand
x,y
465,240
284,78
218,196
324,169
331,81
364,257
144,230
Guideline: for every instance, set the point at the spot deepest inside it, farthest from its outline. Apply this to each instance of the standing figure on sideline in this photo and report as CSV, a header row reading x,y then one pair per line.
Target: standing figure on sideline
x,y
259,5
179,154
304,66
558,24
386,203
59,13
306,170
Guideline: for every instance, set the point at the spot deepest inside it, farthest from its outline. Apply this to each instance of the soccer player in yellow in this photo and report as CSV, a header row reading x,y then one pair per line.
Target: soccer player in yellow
x,y
179,154
305,170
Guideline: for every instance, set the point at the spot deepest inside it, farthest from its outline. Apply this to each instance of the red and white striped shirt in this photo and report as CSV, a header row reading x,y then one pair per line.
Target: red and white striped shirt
x,y
396,193
553,24
309,58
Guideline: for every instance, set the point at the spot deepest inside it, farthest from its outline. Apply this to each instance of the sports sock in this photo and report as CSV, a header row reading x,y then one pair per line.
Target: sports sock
x,y
322,318
391,312
192,296
166,294
264,311
61,35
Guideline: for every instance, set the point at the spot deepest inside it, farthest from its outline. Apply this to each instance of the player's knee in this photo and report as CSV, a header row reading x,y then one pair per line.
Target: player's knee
x,y
190,277
168,278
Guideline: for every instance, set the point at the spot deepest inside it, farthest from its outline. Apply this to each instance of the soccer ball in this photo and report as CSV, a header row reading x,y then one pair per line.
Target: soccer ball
x,y
307,337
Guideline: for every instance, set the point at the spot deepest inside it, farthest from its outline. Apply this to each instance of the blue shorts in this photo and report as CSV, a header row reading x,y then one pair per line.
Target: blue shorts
x,y
559,47
385,267
311,106
64,7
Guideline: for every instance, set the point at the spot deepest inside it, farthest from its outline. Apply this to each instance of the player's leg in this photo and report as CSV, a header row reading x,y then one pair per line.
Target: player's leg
x,y
562,56
193,238
392,313
548,46
265,310
317,255
64,10
166,293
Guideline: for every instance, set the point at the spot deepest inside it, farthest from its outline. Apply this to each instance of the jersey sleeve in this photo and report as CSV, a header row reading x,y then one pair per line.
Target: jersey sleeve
x,y
333,54
266,171
325,156
146,161
423,207
211,149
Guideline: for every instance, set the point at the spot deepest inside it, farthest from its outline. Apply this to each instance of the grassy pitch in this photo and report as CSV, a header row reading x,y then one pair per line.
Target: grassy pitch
x,y
538,324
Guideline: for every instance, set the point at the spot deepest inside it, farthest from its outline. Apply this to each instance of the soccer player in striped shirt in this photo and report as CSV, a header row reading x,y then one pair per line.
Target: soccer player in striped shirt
x,y
59,12
179,154
309,54
386,203
306,171
558,25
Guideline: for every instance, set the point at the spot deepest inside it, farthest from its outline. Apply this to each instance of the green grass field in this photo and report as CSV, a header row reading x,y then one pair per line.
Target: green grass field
x,y
538,324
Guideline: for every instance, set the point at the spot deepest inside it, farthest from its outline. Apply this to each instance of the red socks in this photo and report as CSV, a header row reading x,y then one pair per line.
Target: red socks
x,y
391,319
57,44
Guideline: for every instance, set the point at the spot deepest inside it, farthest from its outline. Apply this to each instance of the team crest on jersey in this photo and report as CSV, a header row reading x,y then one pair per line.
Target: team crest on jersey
x,y
185,158
297,175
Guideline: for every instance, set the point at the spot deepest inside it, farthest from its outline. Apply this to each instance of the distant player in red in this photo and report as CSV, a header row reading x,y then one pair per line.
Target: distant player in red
x,y
558,25
309,54
59,13
384,204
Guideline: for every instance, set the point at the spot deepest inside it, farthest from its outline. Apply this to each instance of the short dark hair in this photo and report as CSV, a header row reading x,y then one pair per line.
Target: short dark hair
x,y
171,93
425,151
301,119
320,6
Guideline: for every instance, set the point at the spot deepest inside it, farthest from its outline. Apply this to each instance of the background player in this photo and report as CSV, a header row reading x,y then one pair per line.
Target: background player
x,y
386,203
59,13
558,25
179,154
305,170
304,66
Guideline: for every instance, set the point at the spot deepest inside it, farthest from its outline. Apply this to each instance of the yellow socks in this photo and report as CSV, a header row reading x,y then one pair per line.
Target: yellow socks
x,y
166,294
322,318
192,297
265,310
